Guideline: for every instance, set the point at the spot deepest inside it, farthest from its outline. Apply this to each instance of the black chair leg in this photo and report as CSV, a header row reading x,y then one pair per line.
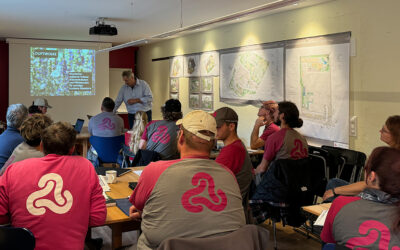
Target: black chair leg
x,y
275,243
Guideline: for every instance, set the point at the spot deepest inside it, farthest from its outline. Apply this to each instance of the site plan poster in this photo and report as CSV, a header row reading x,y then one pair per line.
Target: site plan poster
x,y
317,80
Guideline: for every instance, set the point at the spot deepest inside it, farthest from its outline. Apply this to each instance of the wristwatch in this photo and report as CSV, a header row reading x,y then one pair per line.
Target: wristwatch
x,y
333,191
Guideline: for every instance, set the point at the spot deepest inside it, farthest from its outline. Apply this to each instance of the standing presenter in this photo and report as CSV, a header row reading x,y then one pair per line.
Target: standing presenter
x,y
136,95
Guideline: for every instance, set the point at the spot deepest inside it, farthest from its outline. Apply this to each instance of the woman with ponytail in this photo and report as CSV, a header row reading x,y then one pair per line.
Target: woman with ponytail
x,y
286,143
137,130
370,220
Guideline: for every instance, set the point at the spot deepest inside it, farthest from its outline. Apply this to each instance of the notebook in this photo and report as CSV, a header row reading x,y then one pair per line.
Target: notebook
x,y
78,125
120,171
124,205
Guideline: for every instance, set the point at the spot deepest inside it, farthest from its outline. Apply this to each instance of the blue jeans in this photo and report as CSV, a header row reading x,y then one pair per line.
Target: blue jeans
x,y
334,183
131,118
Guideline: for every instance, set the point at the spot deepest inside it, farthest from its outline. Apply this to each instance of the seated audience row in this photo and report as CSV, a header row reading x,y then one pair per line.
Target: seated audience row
x,y
192,196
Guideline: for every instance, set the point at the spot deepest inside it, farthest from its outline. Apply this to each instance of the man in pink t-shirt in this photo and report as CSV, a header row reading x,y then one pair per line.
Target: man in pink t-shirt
x,y
192,197
56,197
234,154
265,118
286,143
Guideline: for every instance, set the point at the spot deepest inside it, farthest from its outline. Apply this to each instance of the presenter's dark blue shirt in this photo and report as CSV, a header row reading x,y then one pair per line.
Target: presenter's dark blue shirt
x,y
9,139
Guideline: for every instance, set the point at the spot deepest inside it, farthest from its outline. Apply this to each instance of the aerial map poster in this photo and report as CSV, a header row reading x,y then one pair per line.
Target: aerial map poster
x,y
317,80
209,63
191,65
252,75
176,67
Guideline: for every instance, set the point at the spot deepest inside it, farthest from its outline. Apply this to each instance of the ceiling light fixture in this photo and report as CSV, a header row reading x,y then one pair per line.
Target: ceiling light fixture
x,y
125,45
232,17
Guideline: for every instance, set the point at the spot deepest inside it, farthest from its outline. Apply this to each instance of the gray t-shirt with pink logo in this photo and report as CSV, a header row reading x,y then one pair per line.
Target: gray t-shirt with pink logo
x,y
161,137
186,198
106,124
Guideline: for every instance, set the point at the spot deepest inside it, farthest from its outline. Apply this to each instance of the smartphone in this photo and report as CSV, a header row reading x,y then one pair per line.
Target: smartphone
x,y
132,185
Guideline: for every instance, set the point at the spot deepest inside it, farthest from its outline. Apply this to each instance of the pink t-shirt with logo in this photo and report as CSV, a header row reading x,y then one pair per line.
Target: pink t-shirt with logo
x,y
56,197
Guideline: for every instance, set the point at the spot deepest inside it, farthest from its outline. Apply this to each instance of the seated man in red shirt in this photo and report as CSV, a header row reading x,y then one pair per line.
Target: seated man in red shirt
x,y
57,197
234,154
265,118
189,197
287,143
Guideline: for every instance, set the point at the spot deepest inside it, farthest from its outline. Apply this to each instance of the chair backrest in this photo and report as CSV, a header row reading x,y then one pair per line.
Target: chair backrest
x,y
296,178
318,174
15,238
248,237
107,148
354,163
143,157
333,159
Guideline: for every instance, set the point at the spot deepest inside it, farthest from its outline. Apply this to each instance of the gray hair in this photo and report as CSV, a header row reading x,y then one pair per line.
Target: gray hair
x,y
16,114
127,73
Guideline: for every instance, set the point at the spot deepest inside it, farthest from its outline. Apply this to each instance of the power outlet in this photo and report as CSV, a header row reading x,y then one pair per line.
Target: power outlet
x,y
353,126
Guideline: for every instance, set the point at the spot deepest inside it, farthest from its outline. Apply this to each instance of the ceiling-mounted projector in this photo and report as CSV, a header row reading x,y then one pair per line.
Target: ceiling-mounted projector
x,y
103,29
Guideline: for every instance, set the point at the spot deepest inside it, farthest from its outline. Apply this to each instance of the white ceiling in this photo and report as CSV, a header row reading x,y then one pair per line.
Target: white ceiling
x,y
134,19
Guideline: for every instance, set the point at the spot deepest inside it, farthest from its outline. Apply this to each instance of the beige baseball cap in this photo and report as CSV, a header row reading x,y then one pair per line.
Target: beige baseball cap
x,y
41,102
199,120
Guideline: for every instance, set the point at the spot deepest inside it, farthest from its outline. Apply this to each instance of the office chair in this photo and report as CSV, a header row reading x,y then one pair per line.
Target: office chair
x,y
352,170
143,157
16,238
286,187
108,148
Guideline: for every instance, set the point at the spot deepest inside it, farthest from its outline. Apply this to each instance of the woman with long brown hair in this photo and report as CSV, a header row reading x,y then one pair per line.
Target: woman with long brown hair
x,y
390,134
371,219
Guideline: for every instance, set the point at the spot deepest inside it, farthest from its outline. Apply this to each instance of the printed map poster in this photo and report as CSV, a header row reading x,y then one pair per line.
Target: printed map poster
x,y
176,66
209,63
191,65
174,85
194,101
207,84
206,102
252,75
194,84
317,80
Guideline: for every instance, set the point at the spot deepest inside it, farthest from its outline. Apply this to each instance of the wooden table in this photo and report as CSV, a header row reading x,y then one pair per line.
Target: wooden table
x,y
317,209
83,139
116,219
311,213
214,154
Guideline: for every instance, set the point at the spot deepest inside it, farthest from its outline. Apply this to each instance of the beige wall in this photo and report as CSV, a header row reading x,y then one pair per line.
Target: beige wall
x,y
374,85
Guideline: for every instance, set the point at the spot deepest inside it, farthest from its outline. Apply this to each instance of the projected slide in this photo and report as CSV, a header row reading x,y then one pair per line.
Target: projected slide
x,y
62,72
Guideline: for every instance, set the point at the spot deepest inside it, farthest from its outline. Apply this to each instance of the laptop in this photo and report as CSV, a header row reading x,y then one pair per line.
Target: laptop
x,y
78,125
